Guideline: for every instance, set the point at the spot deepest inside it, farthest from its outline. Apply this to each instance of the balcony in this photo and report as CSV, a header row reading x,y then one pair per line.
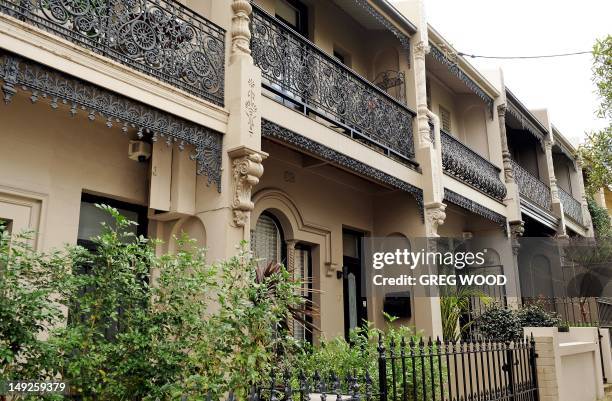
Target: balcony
x,y
468,166
160,38
300,74
531,187
571,207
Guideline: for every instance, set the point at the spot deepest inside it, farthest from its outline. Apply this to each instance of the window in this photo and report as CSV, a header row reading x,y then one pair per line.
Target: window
x,y
339,56
302,271
90,226
445,119
268,240
268,245
294,14
91,217
5,226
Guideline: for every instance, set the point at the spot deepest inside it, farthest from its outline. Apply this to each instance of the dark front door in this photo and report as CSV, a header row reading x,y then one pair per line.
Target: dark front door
x,y
355,303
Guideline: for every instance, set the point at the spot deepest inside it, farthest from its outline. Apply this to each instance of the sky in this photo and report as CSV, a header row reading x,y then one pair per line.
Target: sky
x,y
533,27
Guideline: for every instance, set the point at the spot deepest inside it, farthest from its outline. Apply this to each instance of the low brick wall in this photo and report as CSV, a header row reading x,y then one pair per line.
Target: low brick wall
x,y
569,364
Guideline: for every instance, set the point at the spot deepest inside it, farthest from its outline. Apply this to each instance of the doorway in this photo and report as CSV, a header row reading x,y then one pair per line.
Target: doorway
x,y
355,302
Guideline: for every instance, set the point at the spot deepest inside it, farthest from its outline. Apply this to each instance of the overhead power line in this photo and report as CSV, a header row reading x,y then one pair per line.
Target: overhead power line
x,y
525,57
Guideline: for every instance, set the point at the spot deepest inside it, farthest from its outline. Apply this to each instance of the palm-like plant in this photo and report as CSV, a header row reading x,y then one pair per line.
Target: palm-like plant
x,y
303,310
455,303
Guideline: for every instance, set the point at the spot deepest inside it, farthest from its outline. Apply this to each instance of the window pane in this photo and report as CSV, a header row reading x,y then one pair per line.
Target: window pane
x,y
445,117
91,218
287,12
267,240
352,300
301,274
5,225
350,245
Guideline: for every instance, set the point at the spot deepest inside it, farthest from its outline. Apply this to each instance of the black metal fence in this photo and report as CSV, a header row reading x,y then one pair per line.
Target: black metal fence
x,y
578,311
417,370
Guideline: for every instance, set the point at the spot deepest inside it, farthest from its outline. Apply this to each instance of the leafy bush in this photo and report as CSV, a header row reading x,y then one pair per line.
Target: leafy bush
x,y
28,281
140,326
533,315
499,323
601,219
505,324
359,356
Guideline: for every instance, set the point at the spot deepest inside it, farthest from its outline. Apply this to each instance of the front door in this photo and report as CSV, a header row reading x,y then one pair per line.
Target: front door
x,y
355,303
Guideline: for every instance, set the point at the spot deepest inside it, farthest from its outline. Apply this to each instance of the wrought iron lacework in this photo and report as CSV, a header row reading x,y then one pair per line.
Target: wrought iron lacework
x,y
275,131
531,187
43,82
458,72
295,69
560,145
463,163
474,207
161,38
571,206
403,39
526,122
394,83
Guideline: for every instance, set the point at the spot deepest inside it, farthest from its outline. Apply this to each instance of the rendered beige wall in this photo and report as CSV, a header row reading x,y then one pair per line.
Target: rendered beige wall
x,y
47,152
314,203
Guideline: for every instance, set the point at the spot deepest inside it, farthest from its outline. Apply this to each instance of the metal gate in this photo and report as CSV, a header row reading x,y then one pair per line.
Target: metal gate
x,y
410,369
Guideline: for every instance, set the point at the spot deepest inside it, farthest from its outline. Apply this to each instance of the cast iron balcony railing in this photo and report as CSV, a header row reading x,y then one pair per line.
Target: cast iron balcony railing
x,y
161,38
571,206
468,166
297,71
531,187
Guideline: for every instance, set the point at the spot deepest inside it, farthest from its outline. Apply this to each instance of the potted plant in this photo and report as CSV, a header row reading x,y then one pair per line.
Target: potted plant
x,y
563,327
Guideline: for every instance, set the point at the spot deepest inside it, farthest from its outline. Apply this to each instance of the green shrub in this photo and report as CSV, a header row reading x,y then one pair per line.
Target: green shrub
x,y
140,326
601,219
533,315
28,282
499,323
360,355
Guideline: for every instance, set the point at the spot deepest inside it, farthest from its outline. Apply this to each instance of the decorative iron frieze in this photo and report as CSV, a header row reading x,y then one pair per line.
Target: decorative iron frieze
x,y
562,147
298,70
451,64
161,38
275,131
403,39
527,122
470,205
571,206
531,187
468,166
43,82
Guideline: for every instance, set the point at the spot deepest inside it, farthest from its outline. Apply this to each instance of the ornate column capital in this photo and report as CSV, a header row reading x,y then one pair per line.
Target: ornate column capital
x,y
434,217
448,52
421,49
517,229
501,110
247,168
240,31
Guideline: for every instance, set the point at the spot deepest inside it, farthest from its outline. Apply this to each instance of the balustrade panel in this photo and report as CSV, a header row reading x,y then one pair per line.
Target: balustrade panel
x,y
463,163
160,38
295,68
571,206
531,187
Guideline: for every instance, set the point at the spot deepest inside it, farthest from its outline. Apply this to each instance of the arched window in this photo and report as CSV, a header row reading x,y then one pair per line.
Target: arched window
x,y
267,240
268,245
